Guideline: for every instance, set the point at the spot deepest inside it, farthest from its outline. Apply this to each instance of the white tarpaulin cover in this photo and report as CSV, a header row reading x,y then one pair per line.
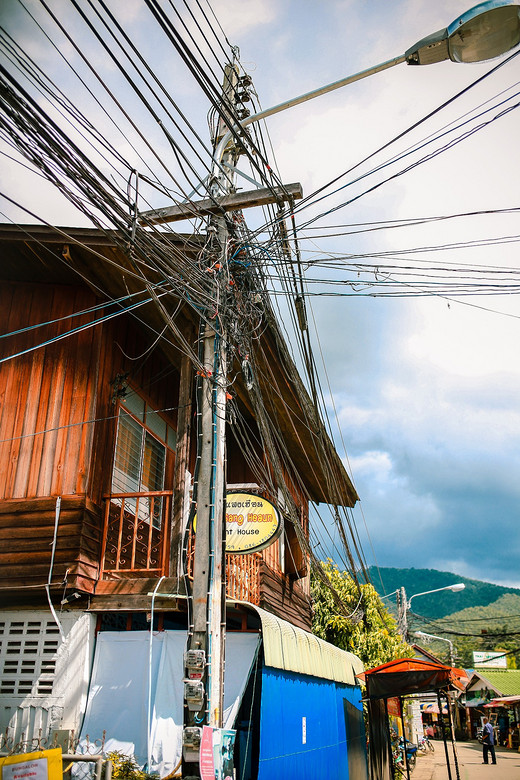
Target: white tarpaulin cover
x,y
119,692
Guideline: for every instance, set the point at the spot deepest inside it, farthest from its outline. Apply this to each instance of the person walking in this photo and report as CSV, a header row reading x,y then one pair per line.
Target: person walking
x,y
488,742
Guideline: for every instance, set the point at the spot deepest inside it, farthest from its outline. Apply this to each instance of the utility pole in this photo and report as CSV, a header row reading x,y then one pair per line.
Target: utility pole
x,y
402,613
217,344
204,660
204,656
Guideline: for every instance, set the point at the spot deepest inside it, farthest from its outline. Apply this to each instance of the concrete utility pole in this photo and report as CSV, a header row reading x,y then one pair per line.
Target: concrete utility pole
x,y
205,655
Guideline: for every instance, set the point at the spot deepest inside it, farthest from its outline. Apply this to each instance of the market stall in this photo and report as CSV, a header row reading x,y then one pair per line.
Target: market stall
x,y
398,679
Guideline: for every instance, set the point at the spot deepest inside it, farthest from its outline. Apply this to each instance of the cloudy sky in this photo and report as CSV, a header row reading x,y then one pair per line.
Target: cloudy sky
x,y
425,389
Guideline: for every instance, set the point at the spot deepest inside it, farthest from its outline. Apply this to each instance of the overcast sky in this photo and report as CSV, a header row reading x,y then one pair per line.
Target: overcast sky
x,y
425,389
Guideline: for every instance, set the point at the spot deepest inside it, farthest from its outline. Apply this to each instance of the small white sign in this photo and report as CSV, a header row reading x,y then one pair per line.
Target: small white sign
x,y
304,730
485,660
26,770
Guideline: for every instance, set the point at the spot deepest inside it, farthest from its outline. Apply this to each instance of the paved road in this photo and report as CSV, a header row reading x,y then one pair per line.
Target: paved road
x,y
433,767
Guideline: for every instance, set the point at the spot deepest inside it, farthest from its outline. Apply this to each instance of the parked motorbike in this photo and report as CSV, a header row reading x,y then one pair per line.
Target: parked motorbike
x,y
398,756
411,753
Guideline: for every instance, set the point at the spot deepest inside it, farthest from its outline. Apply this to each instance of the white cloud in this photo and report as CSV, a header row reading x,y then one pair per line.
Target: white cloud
x,y
246,17
372,464
474,571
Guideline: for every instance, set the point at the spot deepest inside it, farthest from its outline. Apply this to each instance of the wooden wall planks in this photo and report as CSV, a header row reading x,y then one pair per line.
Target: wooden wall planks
x,y
284,597
26,536
47,389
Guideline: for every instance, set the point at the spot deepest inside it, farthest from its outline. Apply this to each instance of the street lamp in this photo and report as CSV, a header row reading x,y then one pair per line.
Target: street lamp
x,y
482,33
455,587
485,31
423,635
404,604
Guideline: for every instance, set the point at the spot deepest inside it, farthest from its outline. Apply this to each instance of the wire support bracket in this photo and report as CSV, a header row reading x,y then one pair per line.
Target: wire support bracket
x,y
234,202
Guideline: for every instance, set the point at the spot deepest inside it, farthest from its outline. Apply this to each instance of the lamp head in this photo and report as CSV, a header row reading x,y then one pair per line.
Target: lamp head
x,y
457,586
482,33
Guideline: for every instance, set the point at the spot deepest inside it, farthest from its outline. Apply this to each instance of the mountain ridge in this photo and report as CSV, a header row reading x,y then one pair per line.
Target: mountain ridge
x,y
477,593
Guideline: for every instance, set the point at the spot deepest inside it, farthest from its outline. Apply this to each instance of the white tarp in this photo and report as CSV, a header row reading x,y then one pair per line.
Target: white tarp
x,y
119,692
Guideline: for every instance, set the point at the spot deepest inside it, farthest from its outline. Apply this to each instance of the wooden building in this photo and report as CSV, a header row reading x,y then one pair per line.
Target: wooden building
x,y
97,455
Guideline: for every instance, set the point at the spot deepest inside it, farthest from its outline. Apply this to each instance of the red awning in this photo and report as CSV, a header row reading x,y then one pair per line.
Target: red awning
x,y
503,701
410,675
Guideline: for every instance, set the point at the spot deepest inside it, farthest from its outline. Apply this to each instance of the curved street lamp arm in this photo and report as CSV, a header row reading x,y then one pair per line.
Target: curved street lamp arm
x,y
487,30
432,636
427,593
219,151
420,634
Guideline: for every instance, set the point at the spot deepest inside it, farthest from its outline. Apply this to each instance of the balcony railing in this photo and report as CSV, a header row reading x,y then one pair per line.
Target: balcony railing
x,y
242,574
243,577
136,534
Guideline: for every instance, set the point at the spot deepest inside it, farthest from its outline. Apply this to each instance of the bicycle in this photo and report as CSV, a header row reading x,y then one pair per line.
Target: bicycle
x,y
425,745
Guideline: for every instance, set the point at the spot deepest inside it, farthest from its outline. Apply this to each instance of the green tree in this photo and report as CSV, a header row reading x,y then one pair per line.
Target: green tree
x,y
369,631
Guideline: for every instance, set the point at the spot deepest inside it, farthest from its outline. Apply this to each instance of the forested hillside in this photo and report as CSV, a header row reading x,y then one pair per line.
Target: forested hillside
x,y
495,627
481,617
438,605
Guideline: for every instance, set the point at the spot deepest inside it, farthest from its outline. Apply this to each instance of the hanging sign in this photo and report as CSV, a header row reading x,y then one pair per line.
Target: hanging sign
x,y
216,754
394,706
252,523
40,765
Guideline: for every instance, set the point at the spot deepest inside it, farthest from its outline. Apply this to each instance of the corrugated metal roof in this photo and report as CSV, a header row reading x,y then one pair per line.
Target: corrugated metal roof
x,y
290,648
505,682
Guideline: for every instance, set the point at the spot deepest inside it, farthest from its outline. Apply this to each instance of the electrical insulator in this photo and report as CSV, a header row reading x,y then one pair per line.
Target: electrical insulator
x,y
300,312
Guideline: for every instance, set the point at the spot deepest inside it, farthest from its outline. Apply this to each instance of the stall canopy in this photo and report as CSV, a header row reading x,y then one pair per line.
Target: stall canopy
x,y
502,701
432,708
400,678
410,675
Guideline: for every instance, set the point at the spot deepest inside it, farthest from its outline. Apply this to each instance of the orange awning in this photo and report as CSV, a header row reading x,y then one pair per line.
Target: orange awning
x,y
411,675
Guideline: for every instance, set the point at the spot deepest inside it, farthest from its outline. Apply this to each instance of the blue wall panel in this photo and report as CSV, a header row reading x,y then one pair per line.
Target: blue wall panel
x,y
293,748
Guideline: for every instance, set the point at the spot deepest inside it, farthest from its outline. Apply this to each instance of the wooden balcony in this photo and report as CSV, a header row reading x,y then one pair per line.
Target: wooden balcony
x,y
242,575
136,534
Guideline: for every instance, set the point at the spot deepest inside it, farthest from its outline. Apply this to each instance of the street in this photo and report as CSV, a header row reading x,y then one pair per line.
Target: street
x,y
433,765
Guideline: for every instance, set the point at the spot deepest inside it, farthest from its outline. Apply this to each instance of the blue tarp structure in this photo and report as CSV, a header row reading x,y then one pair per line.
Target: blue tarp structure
x,y
302,714
310,727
